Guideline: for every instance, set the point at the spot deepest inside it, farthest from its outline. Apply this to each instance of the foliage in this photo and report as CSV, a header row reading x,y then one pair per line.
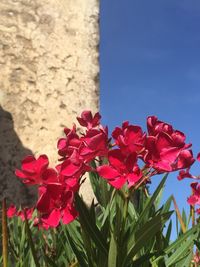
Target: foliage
x,y
124,226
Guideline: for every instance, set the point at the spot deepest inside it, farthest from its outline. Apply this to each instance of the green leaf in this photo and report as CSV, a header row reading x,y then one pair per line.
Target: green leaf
x,y
112,255
178,254
185,262
90,226
191,234
168,233
74,229
49,261
146,211
166,207
158,198
197,243
31,243
144,234
132,212
151,200
77,251
143,259
102,190
181,239
94,180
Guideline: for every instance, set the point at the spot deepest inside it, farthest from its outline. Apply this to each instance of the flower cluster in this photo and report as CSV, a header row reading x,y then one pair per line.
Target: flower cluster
x,y
194,199
161,149
57,186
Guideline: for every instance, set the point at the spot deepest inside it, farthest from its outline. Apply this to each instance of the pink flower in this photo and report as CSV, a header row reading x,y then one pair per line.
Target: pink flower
x,y
121,169
185,174
165,147
94,143
198,211
66,146
155,126
56,203
28,211
73,166
196,257
36,171
11,211
195,197
130,138
87,120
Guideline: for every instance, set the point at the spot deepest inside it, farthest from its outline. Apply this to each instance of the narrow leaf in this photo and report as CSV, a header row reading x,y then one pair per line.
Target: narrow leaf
x,y
29,235
182,239
90,226
112,256
79,253
144,234
151,200
4,234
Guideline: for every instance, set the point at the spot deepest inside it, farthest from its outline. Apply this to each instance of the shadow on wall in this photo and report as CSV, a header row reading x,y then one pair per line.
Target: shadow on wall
x,y
11,154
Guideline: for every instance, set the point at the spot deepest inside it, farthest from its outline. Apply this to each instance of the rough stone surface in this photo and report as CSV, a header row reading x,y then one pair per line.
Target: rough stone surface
x,y
48,74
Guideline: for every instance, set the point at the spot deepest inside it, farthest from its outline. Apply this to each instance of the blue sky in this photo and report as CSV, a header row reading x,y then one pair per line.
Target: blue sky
x,y
150,65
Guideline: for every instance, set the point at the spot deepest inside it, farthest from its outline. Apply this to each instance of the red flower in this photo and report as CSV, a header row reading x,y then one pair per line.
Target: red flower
x,y
11,211
67,145
155,126
130,138
87,120
36,171
195,197
73,166
185,174
94,143
121,169
56,203
196,257
28,211
165,147
198,211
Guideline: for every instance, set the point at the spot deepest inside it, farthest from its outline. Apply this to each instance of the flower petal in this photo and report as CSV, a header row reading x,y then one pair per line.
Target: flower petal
x,y
69,215
118,182
52,219
107,172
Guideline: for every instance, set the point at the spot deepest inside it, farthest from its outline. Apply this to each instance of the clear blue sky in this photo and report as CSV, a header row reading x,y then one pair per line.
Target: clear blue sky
x,y
150,65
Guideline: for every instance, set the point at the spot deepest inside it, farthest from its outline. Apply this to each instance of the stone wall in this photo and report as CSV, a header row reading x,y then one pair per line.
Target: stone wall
x,y
48,74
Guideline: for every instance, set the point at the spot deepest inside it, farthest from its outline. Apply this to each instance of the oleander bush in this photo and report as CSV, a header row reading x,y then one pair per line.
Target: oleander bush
x,y
124,226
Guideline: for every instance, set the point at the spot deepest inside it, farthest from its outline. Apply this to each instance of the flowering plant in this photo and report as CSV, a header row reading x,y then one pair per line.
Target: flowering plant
x,y
123,226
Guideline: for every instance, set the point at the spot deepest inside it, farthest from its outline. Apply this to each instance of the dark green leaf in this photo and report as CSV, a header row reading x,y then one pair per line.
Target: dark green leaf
x,y
180,252
143,259
90,225
144,234
151,200
112,256
77,251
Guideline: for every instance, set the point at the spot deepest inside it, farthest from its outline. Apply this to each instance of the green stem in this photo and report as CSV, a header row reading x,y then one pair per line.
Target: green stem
x,y
121,233
31,241
4,234
125,208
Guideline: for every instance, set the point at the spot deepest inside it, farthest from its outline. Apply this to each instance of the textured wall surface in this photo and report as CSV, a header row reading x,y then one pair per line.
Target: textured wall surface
x,y
48,74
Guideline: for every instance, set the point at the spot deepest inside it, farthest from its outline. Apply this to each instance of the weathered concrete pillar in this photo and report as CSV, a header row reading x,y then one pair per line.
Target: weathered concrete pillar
x,y
48,74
